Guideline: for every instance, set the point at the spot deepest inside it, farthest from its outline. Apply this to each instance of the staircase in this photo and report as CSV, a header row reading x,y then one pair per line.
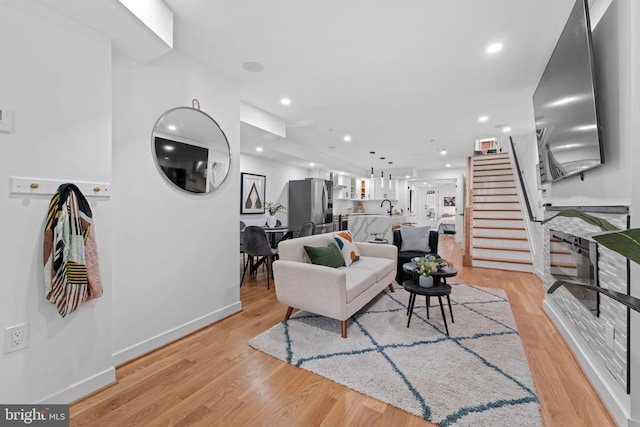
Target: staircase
x,y
498,228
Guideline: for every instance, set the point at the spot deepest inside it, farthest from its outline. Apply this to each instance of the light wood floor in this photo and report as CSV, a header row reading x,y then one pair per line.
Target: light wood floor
x,y
213,378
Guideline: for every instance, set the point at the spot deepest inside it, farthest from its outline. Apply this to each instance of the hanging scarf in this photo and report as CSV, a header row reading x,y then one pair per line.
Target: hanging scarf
x,y
71,273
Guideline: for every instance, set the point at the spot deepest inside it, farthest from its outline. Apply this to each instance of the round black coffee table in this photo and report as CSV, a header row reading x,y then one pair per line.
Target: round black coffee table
x,y
439,290
438,277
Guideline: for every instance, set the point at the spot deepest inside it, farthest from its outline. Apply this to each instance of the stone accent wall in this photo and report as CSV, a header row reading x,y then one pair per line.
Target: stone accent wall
x,y
612,275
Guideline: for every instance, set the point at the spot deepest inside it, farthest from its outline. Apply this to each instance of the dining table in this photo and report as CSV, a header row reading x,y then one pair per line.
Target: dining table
x,y
272,233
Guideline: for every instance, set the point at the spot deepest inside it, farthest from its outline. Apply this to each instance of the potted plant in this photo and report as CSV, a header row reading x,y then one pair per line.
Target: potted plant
x,y
624,242
426,269
273,208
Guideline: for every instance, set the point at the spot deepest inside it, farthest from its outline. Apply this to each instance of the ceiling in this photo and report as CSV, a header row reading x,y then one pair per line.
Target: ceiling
x,y
404,79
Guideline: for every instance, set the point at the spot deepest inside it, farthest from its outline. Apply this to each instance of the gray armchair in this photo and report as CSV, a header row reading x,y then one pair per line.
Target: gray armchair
x,y
405,256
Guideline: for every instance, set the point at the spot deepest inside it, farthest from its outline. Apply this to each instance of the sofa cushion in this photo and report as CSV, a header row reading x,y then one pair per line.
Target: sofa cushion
x,y
415,238
329,255
380,266
358,281
344,241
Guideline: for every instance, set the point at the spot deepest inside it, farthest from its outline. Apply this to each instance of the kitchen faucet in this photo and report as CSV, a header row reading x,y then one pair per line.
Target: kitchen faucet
x,y
390,206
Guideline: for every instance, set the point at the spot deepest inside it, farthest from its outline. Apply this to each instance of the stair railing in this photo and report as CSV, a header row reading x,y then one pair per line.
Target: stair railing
x,y
523,187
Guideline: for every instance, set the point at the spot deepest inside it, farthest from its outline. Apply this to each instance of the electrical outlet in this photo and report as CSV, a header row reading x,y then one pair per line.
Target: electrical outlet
x,y
16,337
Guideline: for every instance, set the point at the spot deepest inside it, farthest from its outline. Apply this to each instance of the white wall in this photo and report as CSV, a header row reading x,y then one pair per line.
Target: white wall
x,y
175,254
610,183
276,190
632,10
616,57
56,77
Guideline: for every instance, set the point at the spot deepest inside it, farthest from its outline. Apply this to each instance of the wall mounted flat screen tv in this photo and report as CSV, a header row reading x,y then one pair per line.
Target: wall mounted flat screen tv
x,y
565,104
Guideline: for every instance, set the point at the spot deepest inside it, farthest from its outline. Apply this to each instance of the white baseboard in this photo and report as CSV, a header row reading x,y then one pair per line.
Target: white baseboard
x,y
164,338
82,388
616,400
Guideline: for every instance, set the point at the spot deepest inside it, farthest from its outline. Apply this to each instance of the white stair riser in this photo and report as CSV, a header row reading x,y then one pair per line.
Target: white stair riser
x,y
494,176
563,271
500,233
503,266
498,214
493,166
490,172
490,157
494,253
479,241
494,179
564,258
498,223
487,182
489,198
480,205
489,191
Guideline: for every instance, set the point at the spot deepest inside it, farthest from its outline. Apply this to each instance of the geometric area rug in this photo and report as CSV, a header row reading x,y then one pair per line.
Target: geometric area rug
x,y
477,376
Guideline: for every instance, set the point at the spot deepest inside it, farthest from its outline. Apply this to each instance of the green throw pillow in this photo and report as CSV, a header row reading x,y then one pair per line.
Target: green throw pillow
x,y
329,255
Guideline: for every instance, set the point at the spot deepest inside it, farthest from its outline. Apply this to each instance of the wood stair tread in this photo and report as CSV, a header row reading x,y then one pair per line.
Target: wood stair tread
x,y
493,180
563,264
484,203
508,261
493,188
482,227
497,219
524,239
496,210
495,195
502,248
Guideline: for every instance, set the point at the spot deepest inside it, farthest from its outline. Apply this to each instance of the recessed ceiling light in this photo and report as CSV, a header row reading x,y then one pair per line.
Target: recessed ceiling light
x,y
347,138
443,151
169,147
407,176
285,101
312,164
253,66
172,127
506,129
448,165
483,119
495,47
258,149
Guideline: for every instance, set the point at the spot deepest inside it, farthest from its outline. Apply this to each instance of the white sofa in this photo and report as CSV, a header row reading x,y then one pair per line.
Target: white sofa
x,y
333,292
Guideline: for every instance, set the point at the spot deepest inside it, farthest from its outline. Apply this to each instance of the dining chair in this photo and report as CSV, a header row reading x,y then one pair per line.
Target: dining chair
x,y
242,227
256,245
306,229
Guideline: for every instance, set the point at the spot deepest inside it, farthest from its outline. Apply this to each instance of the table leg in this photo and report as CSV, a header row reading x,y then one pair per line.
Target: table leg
x,y
428,301
412,296
412,301
450,311
444,319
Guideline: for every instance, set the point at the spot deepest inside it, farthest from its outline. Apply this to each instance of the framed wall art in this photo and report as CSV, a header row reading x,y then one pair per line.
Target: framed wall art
x,y
450,201
252,189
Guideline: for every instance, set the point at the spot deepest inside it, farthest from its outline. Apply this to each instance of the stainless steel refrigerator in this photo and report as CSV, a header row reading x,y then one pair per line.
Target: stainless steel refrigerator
x,y
311,200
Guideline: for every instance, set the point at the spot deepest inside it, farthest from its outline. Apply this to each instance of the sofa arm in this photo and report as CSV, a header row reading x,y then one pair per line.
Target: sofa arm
x,y
377,250
314,288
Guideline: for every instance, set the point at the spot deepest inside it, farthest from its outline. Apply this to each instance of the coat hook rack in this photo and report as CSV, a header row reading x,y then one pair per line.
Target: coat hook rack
x,y
48,187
